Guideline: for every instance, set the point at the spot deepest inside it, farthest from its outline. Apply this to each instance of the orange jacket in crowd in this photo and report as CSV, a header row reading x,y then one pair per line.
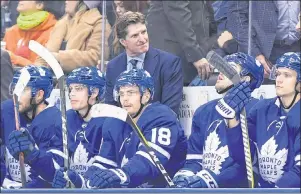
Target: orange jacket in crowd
x,y
17,41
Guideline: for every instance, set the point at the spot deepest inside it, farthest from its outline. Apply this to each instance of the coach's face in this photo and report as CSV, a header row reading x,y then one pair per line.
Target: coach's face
x,y
136,40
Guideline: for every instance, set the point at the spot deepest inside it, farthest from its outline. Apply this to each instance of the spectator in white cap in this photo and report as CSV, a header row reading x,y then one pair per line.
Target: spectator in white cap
x,y
76,39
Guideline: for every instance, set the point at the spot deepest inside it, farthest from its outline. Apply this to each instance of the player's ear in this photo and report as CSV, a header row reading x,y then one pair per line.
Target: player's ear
x,y
94,95
146,97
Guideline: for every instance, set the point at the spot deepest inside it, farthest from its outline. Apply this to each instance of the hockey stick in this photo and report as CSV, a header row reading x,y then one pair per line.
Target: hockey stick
x,y
105,110
19,88
57,69
222,65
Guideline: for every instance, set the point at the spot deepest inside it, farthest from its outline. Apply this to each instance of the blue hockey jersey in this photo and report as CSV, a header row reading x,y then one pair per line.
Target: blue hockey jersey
x,y
276,134
213,150
84,140
46,129
122,148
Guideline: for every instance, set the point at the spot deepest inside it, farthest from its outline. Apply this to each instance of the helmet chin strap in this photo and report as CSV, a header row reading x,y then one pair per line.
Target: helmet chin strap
x,y
140,109
294,99
33,107
89,108
224,90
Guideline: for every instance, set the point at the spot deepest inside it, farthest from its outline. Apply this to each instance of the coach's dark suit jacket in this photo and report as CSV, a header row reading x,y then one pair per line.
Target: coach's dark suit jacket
x,y
264,25
164,67
7,74
181,28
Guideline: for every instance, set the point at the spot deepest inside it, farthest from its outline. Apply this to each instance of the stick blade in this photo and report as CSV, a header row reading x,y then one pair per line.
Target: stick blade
x,y
223,66
47,56
106,110
22,83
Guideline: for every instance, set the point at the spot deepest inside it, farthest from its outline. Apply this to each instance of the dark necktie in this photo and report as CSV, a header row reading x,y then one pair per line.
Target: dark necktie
x,y
134,63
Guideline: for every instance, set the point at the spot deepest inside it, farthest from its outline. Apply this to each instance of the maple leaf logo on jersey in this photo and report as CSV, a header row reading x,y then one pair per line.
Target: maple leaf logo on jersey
x,y
80,162
271,163
13,166
213,157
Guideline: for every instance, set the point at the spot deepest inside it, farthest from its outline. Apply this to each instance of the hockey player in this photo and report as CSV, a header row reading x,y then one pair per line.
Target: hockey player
x,y
214,159
161,128
40,134
274,125
125,161
86,88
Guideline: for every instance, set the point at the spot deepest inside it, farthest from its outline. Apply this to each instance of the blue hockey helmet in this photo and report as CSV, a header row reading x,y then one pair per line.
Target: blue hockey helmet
x,y
90,77
135,77
249,66
290,60
40,79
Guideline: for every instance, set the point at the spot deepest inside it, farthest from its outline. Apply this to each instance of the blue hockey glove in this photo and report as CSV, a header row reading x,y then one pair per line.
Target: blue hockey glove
x,y
202,179
90,171
181,178
21,141
61,178
234,101
108,178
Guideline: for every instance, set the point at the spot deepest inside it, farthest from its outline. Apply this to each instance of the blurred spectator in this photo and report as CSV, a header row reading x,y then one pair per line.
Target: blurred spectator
x,y
9,15
110,12
76,39
273,29
220,9
33,23
120,7
6,75
182,28
164,67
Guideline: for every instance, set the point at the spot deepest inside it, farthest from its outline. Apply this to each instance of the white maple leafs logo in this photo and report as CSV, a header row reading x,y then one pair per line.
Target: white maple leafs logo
x,y
213,157
14,168
271,163
80,157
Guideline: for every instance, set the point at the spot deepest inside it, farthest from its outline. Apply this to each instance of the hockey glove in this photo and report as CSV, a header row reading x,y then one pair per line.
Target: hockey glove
x,y
234,101
108,178
202,179
22,141
181,178
61,178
